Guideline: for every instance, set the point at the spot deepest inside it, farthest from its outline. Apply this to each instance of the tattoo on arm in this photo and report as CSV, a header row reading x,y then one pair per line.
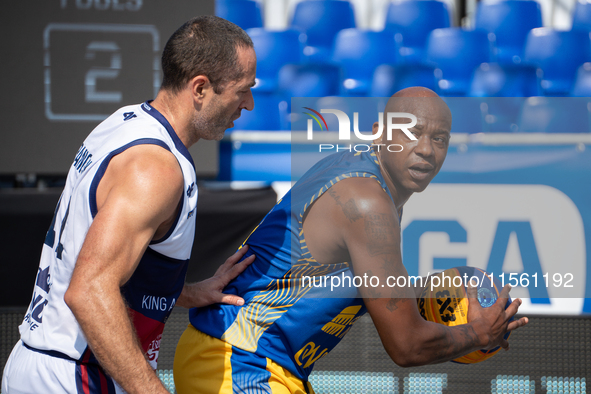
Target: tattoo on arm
x,y
392,304
452,346
372,293
379,228
349,208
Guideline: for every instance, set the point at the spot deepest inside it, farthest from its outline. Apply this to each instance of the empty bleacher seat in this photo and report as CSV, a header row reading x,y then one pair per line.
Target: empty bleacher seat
x,y
274,49
321,20
554,115
309,80
582,16
505,80
582,85
359,52
466,114
501,114
510,21
388,79
244,13
367,110
414,20
559,54
504,86
457,53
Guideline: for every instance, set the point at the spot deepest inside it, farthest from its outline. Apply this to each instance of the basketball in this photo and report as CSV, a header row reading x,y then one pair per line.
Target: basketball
x,y
444,300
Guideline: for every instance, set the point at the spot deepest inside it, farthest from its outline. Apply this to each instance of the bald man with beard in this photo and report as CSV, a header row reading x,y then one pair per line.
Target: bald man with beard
x,y
341,219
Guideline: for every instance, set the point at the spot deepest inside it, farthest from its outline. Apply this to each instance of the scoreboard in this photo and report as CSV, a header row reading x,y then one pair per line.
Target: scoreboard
x,y
68,64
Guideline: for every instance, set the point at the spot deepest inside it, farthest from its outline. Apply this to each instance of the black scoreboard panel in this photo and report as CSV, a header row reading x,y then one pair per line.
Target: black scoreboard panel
x,y
548,354
68,64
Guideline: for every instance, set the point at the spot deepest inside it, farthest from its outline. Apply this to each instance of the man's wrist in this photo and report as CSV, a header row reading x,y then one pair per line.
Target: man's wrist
x,y
481,330
193,295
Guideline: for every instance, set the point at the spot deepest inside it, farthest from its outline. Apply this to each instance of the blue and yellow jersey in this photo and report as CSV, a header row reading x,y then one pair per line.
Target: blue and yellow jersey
x,y
287,317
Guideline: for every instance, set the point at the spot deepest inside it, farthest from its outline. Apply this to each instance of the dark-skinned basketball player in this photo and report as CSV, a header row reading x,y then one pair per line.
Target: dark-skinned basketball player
x,y
341,219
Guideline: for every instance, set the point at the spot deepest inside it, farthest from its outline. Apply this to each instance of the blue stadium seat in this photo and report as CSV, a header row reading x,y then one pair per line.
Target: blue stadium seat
x,y
359,52
388,79
559,54
309,80
466,114
457,53
321,20
554,115
505,86
582,16
501,114
505,80
367,110
275,49
582,85
244,13
510,21
270,113
414,20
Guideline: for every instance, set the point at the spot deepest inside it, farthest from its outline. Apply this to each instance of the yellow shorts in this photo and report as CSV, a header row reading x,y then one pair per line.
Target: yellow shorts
x,y
207,365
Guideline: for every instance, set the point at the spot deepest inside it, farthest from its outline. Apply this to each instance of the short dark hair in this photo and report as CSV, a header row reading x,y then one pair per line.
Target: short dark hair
x,y
205,45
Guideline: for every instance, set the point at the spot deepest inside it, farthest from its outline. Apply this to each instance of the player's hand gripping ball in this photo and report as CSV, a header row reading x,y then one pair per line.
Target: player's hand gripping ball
x,y
444,300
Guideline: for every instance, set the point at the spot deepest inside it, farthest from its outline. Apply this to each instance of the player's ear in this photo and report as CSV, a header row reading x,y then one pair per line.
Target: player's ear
x,y
200,86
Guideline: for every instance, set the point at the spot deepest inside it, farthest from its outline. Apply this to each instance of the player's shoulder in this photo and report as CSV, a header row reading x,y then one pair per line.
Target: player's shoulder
x,y
148,166
367,193
150,158
124,126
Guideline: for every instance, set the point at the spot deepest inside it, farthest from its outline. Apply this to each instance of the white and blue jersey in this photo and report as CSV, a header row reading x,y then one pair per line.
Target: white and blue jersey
x,y
49,326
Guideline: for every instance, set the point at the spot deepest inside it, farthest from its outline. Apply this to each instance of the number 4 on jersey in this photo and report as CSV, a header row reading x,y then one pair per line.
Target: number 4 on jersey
x,y
50,237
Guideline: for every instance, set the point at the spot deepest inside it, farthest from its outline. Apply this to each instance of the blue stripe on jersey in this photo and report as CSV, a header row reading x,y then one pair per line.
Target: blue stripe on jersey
x,y
176,221
103,167
91,379
52,353
283,319
249,373
155,271
177,141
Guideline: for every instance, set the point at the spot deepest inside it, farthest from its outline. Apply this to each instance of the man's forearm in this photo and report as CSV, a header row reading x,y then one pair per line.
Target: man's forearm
x,y
442,343
112,338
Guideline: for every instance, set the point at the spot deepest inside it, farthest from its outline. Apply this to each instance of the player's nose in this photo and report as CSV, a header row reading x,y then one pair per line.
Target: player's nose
x,y
248,103
424,147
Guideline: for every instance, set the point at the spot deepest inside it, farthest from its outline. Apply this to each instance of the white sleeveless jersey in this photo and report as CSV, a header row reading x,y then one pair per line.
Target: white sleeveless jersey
x,y
49,326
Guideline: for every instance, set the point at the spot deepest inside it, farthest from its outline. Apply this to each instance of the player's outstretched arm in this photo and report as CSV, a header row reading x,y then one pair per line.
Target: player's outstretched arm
x,y
137,201
407,337
372,241
210,291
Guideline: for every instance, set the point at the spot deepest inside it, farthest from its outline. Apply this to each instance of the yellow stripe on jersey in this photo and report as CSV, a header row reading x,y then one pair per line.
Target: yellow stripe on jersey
x,y
342,322
269,305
